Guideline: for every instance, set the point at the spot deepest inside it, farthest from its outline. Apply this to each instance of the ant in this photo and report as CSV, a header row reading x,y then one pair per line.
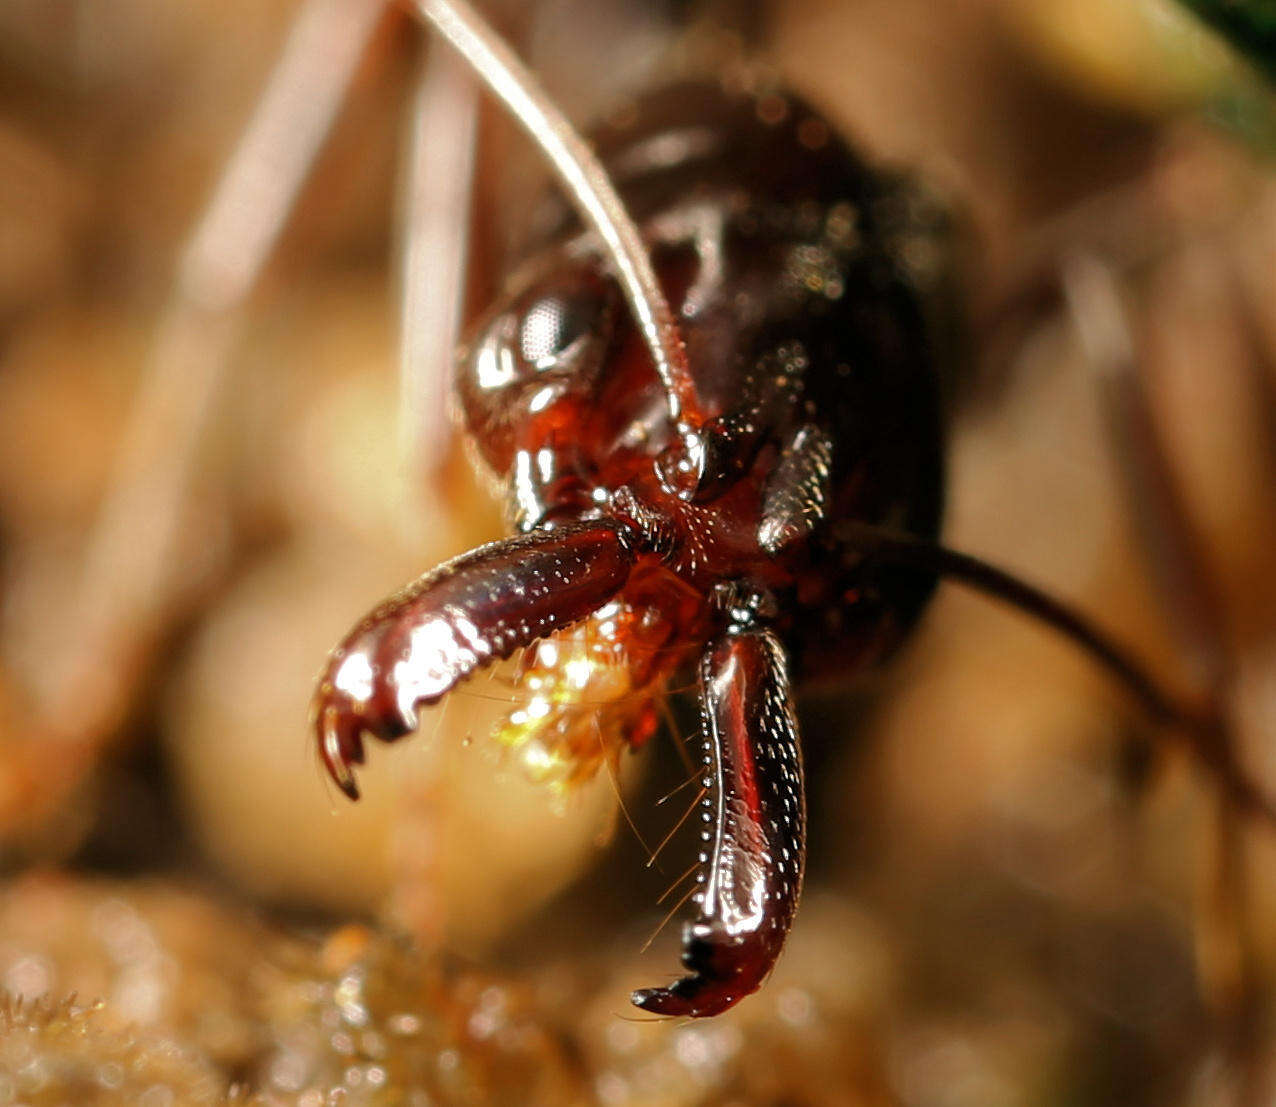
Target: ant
x,y
715,400
729,536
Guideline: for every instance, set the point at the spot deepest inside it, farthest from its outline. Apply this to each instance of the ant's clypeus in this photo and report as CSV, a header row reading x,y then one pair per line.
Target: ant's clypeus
x,y
713,393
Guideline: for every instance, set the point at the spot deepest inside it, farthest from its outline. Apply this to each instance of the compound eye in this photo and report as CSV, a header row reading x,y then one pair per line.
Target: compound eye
x,y
544,342
560,322
555,328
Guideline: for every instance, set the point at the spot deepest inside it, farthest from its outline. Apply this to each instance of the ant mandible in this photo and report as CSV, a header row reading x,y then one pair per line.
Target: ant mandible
x,y
717,411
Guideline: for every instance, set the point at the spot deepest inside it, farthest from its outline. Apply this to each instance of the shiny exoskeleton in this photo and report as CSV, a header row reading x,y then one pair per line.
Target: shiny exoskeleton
x,y
783,257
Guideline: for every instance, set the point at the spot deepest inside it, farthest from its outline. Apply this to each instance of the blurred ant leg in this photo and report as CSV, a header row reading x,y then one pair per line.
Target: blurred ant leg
x,y
1251,310
1122,224
1229,944
435,195
1188,594
129,575
1227,961
1183,582
436,205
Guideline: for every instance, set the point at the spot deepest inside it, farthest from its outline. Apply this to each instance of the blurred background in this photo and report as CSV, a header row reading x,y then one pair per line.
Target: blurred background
x,y
1021,892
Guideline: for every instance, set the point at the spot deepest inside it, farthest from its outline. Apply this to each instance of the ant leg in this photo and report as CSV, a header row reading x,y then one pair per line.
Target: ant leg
x,y
128,576
1175,558
1190,596
436,201
129,582
754,828
478,608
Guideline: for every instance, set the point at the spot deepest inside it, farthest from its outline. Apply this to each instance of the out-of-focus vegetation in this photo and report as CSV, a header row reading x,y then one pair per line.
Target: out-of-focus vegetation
x,y
1249,25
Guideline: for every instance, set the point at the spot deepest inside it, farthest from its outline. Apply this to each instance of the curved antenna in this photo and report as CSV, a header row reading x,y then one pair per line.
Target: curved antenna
x,y
1203,729
588,186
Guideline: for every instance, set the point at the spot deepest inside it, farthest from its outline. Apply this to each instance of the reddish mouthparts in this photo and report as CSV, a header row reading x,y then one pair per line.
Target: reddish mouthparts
x,y
484,605
476,609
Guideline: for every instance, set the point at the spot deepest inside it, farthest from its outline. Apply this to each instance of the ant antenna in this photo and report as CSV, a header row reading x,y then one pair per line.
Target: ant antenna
x,y
587,185
1202,729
